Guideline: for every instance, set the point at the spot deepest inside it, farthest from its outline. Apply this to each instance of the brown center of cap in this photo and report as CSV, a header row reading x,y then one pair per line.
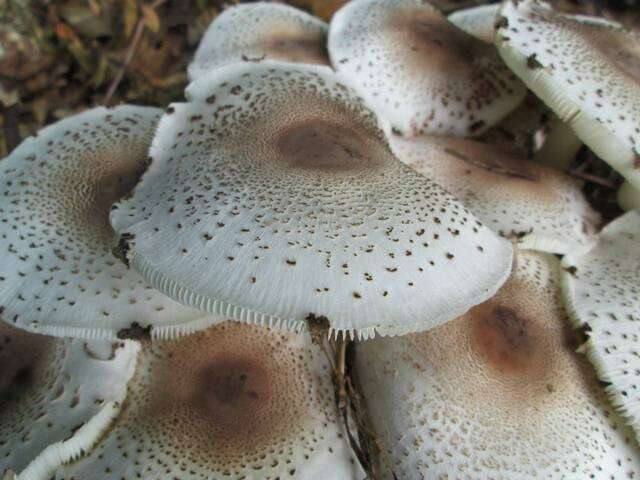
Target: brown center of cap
x,y
322,144
435,45
221,396
297,48
21,355
504,338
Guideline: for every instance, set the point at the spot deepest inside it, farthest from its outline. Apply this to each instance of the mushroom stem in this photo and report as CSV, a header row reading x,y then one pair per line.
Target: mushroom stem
x,y
560,147
628,197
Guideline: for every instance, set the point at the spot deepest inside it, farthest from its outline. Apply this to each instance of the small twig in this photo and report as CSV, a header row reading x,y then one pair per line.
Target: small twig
x,y
592,178
135,40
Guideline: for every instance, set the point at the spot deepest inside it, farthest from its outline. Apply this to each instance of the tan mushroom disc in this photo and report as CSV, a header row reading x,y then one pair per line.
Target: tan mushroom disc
x,y
58,274
232,402
49,387
588,72
273,194
602,292
477,21
261,31
538,207
419,71
496,393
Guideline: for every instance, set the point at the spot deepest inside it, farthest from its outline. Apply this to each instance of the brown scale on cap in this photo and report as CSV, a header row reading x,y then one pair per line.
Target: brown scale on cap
x,y
224,403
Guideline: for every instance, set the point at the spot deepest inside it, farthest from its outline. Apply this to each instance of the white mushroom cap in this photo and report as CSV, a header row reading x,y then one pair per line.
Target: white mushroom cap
x,y
418,71
477,21
602,292
273,195
496,393
58,274
232,402
588,72
261,31
538,207
49,387
481,21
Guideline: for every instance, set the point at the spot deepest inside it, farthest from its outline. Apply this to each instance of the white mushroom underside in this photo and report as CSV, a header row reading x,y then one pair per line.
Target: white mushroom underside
x,y
49,387
266,213
588,72
602,290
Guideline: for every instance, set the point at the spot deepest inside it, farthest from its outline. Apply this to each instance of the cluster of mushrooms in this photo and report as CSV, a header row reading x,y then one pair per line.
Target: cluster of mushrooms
x,y
181,290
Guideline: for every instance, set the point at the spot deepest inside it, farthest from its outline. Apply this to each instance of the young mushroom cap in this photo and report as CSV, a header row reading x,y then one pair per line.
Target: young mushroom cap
x,y
538,207
602,292
496,393
477,21
274,195
58,274
235,401
587,71
261,31
49,387
419,71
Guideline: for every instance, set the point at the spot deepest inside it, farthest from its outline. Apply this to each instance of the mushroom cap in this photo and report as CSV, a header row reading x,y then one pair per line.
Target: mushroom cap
x,y
418,71
587,71
50,386
480,21
538,207
261,31
496,393
235,401
602,292
477,21
274,195
58,274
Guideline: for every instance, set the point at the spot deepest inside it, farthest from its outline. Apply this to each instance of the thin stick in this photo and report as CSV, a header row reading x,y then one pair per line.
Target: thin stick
x,y
592,178
137,35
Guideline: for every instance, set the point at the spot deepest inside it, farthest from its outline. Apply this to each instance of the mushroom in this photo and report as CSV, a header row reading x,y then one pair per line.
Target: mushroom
x,y
57,272
419,71
478,22
538,207
234,401
496,393
274,195
588,72
49,387
261,31
602,292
